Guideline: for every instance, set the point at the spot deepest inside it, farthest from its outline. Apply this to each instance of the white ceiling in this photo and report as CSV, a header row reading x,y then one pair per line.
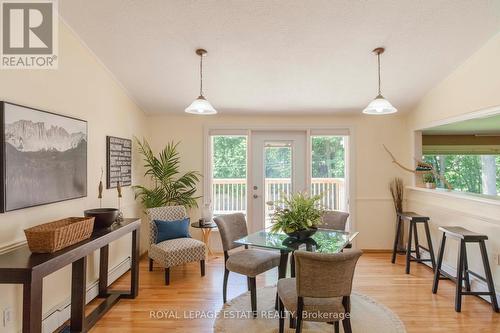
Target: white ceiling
x,y
289,56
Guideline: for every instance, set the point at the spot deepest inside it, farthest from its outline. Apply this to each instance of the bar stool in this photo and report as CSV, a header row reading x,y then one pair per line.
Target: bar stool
x,y
465,236
413,218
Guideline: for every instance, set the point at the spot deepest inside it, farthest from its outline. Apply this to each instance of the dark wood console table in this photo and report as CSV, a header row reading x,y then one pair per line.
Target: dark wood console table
x,y
20,266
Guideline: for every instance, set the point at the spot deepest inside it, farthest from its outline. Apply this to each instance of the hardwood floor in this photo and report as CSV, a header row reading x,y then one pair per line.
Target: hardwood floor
x,y
407,295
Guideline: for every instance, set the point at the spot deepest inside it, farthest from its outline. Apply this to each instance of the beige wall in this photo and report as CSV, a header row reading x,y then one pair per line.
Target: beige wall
x,y
374,210
82,88
474,86
471,87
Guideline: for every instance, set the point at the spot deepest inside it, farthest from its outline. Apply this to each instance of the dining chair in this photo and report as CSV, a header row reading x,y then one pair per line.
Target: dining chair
x,y
249,262
320,291
172,252
335,220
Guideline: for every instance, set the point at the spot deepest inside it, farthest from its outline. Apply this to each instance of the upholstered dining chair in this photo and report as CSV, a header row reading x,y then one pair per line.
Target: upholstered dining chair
x,y
335,220
321,290
249,262
172,252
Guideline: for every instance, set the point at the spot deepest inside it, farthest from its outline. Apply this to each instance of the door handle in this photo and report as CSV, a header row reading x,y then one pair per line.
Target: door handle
x,y
255,196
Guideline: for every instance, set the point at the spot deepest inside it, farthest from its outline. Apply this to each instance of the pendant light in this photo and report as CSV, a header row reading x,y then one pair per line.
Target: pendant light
x,y
200,105
379,105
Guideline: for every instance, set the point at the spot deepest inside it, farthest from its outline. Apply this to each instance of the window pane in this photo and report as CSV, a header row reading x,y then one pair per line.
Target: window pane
x,y
468,173
229,174
328,170
278,174
278,161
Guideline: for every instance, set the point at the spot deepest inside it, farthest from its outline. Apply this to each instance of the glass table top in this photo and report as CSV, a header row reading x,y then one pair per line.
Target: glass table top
x,y
323,241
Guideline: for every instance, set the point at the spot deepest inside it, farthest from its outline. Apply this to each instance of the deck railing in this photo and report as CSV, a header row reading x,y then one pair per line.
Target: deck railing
x,y
230,195
333,192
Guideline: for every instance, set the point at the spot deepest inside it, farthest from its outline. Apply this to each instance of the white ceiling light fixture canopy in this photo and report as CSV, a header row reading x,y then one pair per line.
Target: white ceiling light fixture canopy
x,y
379,106
200,105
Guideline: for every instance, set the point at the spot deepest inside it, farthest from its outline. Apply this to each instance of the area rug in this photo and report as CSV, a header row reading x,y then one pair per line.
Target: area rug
x,y
367,316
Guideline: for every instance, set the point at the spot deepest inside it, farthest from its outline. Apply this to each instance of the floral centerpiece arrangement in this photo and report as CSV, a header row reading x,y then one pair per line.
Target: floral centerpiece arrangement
x,y
297,215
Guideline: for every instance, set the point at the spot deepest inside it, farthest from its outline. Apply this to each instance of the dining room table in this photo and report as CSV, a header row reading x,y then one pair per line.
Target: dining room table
x,y
322,241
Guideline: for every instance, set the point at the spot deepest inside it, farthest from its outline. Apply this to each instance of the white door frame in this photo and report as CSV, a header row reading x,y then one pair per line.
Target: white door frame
x,y
228,129
299,176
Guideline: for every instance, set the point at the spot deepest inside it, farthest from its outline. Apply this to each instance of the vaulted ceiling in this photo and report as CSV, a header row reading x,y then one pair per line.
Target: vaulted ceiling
x,y
286,57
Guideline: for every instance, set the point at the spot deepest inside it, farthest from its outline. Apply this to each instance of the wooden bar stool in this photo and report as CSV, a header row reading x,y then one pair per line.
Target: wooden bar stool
x,y
414,219
465,236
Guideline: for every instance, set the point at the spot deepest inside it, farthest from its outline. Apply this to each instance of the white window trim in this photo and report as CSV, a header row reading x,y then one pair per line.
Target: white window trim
x,y
207,160
417,139
313,129
348,155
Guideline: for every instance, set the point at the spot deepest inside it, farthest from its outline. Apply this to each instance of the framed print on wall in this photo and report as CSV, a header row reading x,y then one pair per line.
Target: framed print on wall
x,y
44,157
118,162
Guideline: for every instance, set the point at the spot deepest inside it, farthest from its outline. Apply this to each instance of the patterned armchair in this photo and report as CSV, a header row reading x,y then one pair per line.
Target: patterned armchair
x,y
172,252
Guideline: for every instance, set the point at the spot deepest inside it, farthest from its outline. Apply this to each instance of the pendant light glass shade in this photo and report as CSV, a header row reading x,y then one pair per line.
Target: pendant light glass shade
x,y
201,106
379,105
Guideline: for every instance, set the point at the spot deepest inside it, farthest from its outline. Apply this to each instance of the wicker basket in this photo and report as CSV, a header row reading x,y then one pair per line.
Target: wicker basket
x,y
54,236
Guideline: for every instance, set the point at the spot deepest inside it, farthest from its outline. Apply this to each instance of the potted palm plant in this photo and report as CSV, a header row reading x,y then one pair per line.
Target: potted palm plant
x,y
297,215
169,186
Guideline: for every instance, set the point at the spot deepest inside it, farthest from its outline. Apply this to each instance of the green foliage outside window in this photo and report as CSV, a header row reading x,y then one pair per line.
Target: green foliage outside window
x,y
463,172
328,157
278,162
230,158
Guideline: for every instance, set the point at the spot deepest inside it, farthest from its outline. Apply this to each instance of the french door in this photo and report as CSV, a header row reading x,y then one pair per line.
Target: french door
x,y
278,168
249,168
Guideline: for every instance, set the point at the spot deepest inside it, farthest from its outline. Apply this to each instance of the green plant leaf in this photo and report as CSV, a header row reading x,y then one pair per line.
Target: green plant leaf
x,y
170,186
296,212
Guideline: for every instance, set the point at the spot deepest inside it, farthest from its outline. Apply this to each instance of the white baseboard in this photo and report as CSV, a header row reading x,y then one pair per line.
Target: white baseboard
x,y
58,315
475,283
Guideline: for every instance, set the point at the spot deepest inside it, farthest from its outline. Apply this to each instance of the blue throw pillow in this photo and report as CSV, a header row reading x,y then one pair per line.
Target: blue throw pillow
x,y
172,229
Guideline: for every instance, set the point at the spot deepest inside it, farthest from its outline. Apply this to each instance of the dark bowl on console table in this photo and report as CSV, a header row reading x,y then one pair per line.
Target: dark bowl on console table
x,y
104,217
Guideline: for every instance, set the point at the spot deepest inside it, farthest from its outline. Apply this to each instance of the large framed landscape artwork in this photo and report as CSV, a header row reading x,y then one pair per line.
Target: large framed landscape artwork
x,y
44,157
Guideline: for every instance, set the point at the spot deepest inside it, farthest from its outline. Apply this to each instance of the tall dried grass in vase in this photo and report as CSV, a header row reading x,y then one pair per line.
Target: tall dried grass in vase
x,y
397,191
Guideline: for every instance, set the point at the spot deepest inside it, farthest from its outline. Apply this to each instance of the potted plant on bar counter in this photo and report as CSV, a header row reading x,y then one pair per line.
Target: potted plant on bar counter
x,y
429,180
